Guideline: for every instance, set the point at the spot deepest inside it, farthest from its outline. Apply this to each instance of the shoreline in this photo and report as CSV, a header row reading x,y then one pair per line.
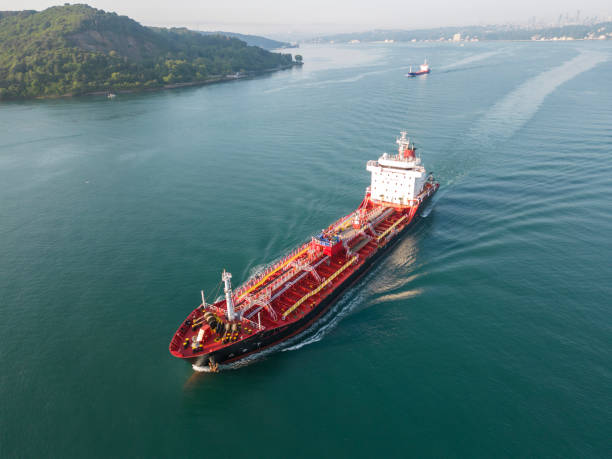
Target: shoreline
x,y
207,81
505,40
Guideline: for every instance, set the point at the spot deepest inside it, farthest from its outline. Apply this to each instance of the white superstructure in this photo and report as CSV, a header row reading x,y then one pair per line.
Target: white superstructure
x,y
397,180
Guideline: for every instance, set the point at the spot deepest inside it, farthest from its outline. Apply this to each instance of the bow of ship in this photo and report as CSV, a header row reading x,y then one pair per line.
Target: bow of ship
x,y
287,296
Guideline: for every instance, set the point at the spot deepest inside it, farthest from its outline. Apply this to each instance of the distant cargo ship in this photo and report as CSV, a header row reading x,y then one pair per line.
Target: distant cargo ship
x,y
289,295
424,69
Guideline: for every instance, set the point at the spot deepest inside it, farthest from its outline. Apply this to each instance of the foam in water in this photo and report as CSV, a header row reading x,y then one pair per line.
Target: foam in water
x,y
324,83
470,59
351,79
516,108
404,295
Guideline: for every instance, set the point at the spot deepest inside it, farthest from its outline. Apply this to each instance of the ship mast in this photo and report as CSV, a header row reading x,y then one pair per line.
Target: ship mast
x,y
229,300
405,148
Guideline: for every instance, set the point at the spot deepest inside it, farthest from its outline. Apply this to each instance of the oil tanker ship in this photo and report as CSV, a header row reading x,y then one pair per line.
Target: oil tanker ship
x,y
423,70
289,295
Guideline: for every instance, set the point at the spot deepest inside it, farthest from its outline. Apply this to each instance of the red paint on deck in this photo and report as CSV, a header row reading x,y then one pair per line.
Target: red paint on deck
x,y
328,262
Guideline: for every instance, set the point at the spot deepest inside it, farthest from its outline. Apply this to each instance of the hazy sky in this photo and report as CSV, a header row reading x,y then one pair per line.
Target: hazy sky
x,y
312,17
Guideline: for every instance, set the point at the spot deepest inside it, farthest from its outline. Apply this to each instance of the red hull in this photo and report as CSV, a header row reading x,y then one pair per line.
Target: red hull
x,y
424,72
295,297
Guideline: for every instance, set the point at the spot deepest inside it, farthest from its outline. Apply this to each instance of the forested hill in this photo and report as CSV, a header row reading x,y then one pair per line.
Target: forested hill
x,y
74,49
255,40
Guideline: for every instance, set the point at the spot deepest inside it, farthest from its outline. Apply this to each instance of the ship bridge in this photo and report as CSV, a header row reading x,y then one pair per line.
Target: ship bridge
x,y
398,179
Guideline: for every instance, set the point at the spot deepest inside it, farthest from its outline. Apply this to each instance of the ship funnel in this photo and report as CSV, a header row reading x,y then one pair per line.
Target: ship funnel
x,y
226,277
405,147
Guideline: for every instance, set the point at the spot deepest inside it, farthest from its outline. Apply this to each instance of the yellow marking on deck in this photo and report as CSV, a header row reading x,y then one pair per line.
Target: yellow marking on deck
x,y
281,266
388,230
319,288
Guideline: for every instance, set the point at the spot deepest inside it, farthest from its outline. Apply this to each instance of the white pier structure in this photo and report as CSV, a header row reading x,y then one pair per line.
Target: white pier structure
x,y
397,180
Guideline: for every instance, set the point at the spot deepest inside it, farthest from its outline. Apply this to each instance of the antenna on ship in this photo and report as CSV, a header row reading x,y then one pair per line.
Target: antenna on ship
x,y
405,147
226,277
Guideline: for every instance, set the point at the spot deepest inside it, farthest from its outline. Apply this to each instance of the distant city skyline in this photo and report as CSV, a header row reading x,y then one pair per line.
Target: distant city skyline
x,y
302,19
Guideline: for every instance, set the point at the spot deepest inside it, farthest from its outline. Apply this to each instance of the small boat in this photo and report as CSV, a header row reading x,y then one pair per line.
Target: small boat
x,y
423,70
110,95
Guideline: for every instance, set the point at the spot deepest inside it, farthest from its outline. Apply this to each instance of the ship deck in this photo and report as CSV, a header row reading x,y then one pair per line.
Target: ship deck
x,y
292,292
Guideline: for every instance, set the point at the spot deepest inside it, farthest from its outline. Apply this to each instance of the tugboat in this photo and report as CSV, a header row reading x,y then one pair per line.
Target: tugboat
x,y
289,295
423,70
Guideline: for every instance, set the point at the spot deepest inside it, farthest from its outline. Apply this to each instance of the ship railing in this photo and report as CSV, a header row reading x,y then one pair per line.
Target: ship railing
x,y
282,280
260,279
373,217
276,283
321,286
343,222
252,299
388,230
206,306
376,212
408,217
385,212
217,309
297,279
254,325
425,193
222,313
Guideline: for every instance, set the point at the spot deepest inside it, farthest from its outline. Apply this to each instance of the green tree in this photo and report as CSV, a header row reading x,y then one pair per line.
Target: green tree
x,y
76,49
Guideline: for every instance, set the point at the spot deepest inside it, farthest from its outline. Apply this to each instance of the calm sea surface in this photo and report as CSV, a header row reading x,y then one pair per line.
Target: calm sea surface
x,y
487,332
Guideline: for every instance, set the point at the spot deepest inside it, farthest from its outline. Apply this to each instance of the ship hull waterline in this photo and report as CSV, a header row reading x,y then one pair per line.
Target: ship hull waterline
x,y
414,74
260,342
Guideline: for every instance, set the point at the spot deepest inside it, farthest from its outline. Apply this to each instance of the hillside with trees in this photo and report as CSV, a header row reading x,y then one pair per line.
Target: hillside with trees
x,y
76,49
255,40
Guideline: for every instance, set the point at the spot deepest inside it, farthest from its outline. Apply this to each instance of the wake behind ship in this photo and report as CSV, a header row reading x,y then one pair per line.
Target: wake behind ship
x,y
288,296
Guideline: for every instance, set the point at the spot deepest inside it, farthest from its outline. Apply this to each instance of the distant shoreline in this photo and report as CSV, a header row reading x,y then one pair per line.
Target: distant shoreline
x,y
207,81
450,42
600,29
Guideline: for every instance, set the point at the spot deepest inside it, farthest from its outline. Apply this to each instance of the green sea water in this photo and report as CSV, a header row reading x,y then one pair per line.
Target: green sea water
x,y
487,332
